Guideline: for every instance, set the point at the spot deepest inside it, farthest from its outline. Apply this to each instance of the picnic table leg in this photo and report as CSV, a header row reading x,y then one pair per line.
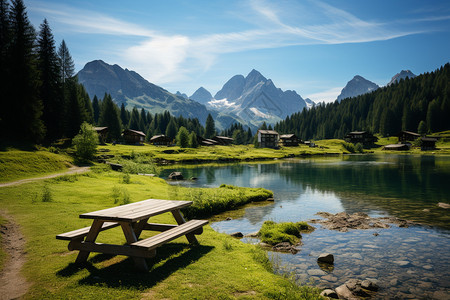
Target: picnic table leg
x,y
130,236
180,220
91,237
138,227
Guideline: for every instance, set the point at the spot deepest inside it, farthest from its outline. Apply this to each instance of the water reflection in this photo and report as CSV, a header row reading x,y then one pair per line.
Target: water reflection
x,y
406,262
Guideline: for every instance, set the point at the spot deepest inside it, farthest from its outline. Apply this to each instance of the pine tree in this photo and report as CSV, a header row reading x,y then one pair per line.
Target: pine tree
x,y
171,130
210,127
183,137
124,116
24,112
134,119
109,117
50,83
66,64
5,45
96,109
193,142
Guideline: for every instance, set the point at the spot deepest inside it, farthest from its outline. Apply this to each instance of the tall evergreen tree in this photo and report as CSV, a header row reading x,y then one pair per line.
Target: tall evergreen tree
x,y
134,119
171,130
5,44
109,117
124,116
210,127
25,110
96,109
50,83
66,64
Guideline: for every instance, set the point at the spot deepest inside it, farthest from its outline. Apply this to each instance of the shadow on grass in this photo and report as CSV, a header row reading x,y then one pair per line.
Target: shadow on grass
x,y
169,258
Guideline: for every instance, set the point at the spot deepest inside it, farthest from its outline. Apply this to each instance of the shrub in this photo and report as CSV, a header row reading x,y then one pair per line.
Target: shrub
x,y
120,195
359,148
85,142
273,233
126,178
46,194
349,147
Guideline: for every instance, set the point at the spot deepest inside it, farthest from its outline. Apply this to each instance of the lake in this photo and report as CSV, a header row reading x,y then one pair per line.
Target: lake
x,y
411,262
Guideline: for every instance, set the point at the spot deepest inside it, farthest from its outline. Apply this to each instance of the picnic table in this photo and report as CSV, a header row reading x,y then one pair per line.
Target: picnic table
x,y
133,219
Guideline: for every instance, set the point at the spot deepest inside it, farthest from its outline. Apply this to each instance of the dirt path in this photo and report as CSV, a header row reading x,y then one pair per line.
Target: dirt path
x,y
12,284
72,170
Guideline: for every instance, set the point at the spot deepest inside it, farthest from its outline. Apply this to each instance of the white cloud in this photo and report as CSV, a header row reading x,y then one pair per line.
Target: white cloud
x,y
170,58
326,96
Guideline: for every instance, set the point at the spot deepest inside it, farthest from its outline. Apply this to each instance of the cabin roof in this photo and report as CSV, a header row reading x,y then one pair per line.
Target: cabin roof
x,y
100,128
408,132
128,131
267,131
287,136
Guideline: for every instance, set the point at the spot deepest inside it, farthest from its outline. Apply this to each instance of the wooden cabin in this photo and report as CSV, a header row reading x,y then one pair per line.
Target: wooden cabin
x,y
160,140
407,136
289,140
206,142
223,140
396,147
102,133
268,138
363,137
428,143
131,136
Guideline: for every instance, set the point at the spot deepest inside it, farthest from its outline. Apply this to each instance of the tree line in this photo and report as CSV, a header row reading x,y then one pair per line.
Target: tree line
x,y
41,98
404,105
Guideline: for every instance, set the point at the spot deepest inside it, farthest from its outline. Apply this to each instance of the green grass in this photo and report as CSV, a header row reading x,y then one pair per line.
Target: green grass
x,y
16,164
220,268
273,233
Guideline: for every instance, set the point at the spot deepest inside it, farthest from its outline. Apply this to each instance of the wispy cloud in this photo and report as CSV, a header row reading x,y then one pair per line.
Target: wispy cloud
x,y
166,58
327,96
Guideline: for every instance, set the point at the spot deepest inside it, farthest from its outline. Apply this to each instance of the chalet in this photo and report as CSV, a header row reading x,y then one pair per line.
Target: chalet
x,y
363,137
160,140
407,136
396,147
223,140
428,143
268,138
289,140
131,136
102,133
206,142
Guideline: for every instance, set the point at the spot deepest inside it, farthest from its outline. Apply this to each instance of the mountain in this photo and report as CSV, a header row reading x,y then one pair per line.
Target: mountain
x,y
130,88
202,96
181,95
357,86
402,75
256,99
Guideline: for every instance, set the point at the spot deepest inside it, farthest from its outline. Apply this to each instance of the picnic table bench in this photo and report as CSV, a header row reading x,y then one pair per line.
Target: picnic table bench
x,y
133,219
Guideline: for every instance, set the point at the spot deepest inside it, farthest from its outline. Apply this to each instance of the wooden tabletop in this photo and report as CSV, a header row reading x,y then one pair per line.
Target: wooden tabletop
x,y
134,212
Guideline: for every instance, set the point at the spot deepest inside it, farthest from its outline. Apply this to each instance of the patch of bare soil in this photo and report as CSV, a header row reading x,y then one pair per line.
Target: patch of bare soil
x,y
12,284
343,221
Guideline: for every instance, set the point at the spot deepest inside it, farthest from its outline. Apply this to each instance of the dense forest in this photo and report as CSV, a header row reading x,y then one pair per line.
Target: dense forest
x,y
42,100
401,106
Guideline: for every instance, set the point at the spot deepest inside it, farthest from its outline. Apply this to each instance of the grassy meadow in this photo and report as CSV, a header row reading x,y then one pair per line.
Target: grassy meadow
x,y
221,267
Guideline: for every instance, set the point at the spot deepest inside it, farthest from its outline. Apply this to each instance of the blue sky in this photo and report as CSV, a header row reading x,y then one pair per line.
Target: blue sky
x,y
312,47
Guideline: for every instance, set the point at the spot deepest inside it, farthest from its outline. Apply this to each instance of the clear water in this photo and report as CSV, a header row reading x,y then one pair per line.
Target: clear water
x,y
409,262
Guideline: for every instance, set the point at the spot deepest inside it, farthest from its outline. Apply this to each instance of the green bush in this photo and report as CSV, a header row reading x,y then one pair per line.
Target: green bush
x,y
349,147
359,148
46,194
208,202
273,233
85,143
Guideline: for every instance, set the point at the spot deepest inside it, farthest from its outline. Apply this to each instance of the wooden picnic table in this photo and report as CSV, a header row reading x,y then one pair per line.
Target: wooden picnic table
x,y
133,219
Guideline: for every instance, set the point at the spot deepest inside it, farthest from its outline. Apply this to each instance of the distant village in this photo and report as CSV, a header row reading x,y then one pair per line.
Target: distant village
x,y
272,139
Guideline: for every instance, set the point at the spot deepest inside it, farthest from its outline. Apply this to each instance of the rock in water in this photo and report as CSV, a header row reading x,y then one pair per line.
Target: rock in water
x,y
329,293
327,258
176,176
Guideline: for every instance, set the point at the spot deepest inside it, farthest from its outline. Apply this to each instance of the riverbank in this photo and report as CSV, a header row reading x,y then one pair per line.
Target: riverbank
x,y
221,267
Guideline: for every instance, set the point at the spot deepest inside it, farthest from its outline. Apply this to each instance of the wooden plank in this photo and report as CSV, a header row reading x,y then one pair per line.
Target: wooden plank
x,y
171,234
180,220
110,249
159,227
136,211
82,232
